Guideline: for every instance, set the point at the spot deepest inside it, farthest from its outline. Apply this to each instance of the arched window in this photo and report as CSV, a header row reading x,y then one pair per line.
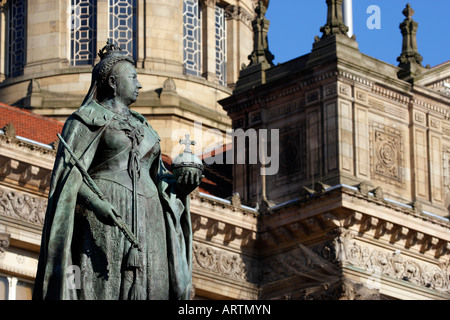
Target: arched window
x,y
83,26
17,27
221,40
192,37
123,25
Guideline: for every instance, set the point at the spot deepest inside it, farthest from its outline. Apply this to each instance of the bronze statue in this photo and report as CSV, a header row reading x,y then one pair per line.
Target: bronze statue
x,y
114,211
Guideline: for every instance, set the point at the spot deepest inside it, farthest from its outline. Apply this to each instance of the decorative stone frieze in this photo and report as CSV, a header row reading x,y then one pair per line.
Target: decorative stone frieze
x,y
222,263
22,206
386,157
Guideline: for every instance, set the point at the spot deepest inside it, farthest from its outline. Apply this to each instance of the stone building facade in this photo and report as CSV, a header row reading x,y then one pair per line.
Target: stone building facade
x,y
359,205
359,208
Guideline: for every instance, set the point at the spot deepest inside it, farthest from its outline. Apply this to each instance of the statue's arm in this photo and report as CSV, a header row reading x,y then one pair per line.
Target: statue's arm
x,y
102,209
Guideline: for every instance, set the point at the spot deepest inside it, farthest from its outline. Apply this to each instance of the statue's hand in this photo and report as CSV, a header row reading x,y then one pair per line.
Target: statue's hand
x,y
103,210
188,180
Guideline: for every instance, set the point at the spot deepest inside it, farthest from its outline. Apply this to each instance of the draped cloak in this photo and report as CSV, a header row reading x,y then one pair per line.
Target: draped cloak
x,y
82,132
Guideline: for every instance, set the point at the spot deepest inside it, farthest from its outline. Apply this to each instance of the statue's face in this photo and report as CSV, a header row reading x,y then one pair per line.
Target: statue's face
x,y
126,82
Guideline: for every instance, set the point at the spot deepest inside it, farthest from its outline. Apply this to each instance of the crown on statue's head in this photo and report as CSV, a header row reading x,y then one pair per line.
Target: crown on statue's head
x,y
110,50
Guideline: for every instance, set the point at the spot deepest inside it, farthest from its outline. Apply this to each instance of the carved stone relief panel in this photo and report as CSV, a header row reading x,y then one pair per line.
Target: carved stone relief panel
x,y
223,263
323,262
392,264
419,117
22,206
386,154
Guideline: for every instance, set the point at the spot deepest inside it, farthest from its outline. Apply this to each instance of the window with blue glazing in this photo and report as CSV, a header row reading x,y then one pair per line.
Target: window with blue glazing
x,y
192,37
123,25
220,43
16,46
83,26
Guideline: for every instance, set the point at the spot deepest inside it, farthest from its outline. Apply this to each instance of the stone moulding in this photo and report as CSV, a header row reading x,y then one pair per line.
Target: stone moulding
x,y
228,232
25,173
23,144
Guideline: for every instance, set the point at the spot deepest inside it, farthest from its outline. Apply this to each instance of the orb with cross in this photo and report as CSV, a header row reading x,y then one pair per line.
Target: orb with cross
x,y
186,162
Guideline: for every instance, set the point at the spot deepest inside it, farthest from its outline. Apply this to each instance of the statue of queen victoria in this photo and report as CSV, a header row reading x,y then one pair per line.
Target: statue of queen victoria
x,y
114,211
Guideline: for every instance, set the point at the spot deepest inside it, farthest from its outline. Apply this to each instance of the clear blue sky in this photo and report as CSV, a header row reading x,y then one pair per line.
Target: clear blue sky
x,y
294,23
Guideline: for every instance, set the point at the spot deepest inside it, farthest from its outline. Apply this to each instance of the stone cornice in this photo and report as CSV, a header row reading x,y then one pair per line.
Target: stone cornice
x,y
400,225
239,13
23,145
33,178
225,223
432,107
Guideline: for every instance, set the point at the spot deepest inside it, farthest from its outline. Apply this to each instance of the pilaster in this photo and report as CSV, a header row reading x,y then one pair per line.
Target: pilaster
x,y
102,24
3,38
47,38
208,35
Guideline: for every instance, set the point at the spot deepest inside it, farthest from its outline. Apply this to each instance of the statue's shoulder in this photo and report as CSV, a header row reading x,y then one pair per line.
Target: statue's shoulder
x,y
93,114
141,118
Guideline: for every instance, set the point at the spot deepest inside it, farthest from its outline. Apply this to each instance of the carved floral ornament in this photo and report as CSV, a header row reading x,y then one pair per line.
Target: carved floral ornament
x,y
387,152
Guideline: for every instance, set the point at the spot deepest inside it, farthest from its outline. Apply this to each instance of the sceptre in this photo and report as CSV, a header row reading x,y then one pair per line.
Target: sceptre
x,y
91,184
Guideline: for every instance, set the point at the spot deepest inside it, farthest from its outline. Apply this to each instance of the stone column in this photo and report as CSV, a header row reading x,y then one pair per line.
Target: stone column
x,y
232,16
3,35
163,36
208,34
239,30
47,32
102,24
12,288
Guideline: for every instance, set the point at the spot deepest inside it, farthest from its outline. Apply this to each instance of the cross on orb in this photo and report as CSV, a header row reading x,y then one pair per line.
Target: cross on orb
x,y
188,143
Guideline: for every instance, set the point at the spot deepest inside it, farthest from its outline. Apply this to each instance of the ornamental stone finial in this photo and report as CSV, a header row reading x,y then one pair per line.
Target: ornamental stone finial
x,y
409,60
335,20
408,12
261,25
